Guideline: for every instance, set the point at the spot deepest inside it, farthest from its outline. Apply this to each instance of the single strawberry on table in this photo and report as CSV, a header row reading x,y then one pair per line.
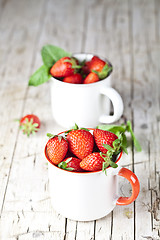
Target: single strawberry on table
x,y
64,67
75,78
80,142
57,147
71,164
29,124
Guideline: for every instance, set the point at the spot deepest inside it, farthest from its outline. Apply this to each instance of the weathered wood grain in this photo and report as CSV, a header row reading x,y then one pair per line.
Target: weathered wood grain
x,y
145,110
128,34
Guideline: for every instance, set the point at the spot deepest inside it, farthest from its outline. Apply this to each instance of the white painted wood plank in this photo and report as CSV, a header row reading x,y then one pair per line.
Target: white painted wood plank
x,y
13,85
146,108
42,226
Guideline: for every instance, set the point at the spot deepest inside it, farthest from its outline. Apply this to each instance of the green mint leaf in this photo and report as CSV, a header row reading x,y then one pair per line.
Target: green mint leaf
x,y
40,76
124,150
51,54
112,128
135,141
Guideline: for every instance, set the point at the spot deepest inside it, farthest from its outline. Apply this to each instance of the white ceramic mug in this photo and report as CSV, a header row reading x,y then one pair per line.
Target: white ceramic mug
x,y
84,104
88,196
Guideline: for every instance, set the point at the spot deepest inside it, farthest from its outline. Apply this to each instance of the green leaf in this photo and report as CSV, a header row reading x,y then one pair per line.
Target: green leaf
x,y
112,128
124,150
135,141
113,164
86,129
40,76
50,135
51,54
106,146
105,72
69,169
62,165
60,138
68,160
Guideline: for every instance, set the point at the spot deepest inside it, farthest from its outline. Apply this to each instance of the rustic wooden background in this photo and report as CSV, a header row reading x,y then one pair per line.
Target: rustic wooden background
x,y
127,32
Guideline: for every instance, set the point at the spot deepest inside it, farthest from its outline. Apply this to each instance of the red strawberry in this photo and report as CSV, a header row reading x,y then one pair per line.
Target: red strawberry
x,y
85,68
91,78
75,78
71,164
81,142
29,124
57,148
96,64
64,67
103,137
93,162
100,67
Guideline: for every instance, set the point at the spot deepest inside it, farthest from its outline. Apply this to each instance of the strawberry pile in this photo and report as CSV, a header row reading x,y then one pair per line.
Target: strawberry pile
x,y
70,70
80,150
62,65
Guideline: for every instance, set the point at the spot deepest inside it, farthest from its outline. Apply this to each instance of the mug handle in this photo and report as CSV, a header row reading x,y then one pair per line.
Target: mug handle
x,y
132,178
117,102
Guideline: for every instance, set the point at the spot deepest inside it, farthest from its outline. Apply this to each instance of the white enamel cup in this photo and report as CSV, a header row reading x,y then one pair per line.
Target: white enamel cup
x,y
88,196
84,104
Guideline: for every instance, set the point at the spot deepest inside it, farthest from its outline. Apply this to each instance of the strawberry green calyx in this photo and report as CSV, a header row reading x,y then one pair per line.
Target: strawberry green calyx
x,y
105,71
63,165
73,63
29,127
75,127
118,146
50,135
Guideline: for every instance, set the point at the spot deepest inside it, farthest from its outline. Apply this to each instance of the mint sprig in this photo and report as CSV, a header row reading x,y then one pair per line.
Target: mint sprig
x,y
50,54
40,76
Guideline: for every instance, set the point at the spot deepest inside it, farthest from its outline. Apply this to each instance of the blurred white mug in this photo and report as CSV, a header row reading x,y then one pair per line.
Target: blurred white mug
x,y
87,105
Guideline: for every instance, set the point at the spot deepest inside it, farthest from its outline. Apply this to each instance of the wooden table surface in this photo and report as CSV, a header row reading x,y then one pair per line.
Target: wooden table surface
x,y
128,34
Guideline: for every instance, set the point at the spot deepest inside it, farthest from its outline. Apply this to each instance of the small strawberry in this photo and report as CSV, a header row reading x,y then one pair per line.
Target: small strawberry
x,y
96,64
57,147
71,164
93,162
100,67
85,68
104,137
64,67
75,78
81,142
29,124
91,78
